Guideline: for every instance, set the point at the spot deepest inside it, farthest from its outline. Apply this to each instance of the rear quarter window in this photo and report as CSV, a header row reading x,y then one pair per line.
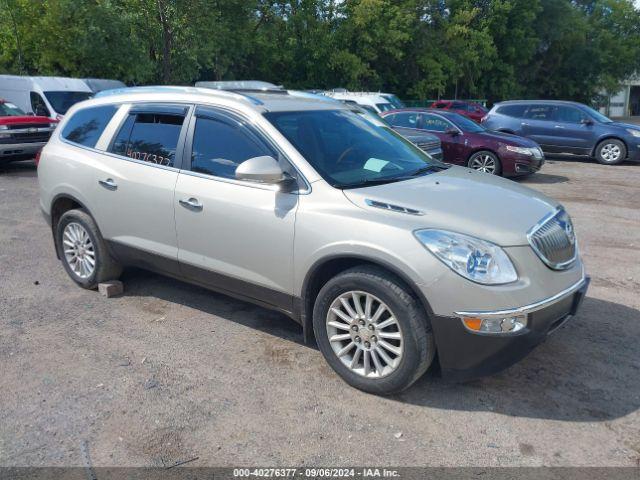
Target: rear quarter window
x,y
86,125
516,111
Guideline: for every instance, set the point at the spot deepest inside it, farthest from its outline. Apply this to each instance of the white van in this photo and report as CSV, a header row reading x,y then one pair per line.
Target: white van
x,y
44,96
374,102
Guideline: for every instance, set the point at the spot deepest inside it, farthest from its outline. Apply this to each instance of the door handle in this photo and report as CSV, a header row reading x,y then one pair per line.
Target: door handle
x,y
191,203
524,124
109,184
558,126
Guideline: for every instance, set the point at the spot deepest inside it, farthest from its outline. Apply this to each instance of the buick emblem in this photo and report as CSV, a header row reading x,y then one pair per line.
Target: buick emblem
x,y
568,230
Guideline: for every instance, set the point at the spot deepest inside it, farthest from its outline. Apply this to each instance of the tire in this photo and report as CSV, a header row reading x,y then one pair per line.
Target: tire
x,y
416,344
70,228
485,161
611,152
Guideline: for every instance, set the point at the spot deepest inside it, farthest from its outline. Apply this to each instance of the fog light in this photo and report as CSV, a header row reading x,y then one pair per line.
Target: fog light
x,y
495,325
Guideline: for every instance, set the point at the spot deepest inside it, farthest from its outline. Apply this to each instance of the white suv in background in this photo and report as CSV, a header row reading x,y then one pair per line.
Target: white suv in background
x,y
387,256
374,102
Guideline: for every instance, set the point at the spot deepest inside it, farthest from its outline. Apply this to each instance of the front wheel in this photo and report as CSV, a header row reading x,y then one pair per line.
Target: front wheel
x,y
486,162
373,331
611,152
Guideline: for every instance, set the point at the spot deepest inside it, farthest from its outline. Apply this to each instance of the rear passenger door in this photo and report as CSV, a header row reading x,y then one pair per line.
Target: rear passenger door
x,y
135,181
538,124
234,236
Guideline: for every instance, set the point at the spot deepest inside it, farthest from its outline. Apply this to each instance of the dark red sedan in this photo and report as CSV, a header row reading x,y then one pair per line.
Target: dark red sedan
x,y
472,110
466,143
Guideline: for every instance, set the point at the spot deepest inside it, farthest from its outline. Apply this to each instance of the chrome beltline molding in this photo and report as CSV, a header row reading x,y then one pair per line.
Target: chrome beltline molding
x,y
527,308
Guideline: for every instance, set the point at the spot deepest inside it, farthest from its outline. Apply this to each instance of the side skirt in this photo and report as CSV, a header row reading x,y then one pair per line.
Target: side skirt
x,y
220,283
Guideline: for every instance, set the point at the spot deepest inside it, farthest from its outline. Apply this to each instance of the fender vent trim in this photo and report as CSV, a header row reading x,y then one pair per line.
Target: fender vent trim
x,y
393,208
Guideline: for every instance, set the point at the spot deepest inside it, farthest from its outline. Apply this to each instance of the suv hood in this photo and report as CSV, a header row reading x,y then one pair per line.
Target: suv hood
x,y
465,201
24,119
622,125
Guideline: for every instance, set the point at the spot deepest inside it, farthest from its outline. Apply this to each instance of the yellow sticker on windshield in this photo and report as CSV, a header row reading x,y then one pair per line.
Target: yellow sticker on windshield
x,y
375,165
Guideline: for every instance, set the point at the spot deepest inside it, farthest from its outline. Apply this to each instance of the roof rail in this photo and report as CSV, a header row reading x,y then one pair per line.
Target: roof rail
x,y
177,89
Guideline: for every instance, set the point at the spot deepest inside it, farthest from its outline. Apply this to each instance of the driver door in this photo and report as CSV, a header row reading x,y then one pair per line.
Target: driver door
x,y
234,236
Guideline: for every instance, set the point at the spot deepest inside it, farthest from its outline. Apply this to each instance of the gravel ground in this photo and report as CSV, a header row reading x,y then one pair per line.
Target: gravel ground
x,y
168,372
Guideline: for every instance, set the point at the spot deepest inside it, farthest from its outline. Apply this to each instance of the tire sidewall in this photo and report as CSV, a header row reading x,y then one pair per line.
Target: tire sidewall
x,y
408,316
74,216
497,171
611,141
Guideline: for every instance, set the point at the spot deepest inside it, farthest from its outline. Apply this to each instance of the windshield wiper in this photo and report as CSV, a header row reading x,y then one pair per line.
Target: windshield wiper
x,y
371,182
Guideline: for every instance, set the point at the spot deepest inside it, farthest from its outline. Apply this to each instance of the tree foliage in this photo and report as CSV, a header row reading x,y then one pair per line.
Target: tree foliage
x,y
493,49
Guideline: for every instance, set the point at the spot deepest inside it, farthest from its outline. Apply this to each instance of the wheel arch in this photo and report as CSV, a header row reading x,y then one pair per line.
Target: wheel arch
x,y
328,267
608,137
62,203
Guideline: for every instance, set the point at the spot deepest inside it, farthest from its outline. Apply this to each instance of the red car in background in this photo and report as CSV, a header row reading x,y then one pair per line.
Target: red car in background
x,y
471,110
468,144
22,136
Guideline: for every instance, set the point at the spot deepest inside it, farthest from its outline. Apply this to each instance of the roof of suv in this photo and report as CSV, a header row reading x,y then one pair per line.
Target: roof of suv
x,y
543,102
261,102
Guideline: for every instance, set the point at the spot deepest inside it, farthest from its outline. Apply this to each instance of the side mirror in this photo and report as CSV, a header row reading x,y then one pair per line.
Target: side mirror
x,y
263,169
587,121
452,131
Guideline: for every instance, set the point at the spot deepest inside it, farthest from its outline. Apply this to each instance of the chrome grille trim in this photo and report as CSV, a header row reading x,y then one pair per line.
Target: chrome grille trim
x,y
551,242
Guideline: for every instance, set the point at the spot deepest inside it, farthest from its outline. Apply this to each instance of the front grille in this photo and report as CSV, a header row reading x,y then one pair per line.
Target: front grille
x,y
554,240
424,146
21,126
26,137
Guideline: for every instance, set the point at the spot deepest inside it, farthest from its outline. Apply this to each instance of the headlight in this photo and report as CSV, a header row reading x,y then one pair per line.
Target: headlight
x,y
4,127
634,132
53,125
477,260
520,150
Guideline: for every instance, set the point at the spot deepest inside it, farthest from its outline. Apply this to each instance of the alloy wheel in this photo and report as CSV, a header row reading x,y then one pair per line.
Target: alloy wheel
x,y
364,334
79,252
484,163
611,152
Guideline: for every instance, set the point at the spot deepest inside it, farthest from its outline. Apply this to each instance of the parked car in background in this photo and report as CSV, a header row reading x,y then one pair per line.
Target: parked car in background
x,y
567,128
382,253
44,96
374,102
465,142
471,110
21,135
101,84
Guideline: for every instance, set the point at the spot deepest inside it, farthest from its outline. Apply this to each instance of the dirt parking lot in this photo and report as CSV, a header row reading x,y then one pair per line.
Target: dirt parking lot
x,y
168,372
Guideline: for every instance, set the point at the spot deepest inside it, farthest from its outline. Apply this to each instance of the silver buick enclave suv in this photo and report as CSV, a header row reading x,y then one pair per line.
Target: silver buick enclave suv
x,y
383,254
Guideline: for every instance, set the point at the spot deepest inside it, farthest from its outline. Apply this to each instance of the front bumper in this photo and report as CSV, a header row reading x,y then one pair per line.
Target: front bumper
x,y
465,355
12,150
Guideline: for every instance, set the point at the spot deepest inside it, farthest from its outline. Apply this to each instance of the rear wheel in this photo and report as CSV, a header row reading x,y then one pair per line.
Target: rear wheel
x,y
372,331
83,251
611,152
485,161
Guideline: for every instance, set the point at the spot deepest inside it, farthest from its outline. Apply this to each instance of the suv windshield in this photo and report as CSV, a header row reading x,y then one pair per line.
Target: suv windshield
x,y
64,100
10,110
596,115
350,151
394,100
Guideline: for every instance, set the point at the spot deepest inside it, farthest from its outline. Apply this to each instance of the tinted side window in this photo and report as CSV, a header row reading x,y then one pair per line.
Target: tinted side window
x,y
220,146
86,125
409,120
516,111
37,105
540,112
434,123
150,137
569,115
